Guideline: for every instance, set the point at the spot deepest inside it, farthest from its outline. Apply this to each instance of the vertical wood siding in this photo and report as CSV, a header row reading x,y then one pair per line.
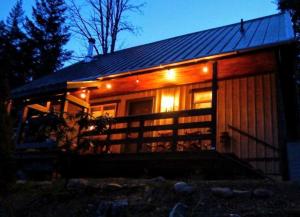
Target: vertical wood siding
x,y
247,103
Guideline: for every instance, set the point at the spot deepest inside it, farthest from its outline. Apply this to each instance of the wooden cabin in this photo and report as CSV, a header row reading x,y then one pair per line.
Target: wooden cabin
x,y
229,90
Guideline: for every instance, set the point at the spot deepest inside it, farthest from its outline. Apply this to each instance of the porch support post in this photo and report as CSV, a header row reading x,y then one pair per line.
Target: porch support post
x,y
9,106
214,105
21,124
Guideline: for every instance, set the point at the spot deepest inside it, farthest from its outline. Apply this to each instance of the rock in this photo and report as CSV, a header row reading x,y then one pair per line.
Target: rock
x,y
182,187
222,192
262,193
22,182
179,210
113,186
20,175
115,208
241,192
77,183
158,180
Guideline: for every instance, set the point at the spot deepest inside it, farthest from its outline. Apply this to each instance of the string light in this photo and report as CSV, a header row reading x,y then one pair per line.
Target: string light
x,y
170,75
108,86
205,69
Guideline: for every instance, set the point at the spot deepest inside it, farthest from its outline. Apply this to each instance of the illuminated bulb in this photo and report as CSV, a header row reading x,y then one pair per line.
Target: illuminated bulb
x,y
170,74
108,86
92,127
205,69
137,81
82,95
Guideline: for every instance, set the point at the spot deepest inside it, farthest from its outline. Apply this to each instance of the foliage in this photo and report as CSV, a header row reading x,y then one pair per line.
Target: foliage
x,y
48,34
106,20
6,143
70,131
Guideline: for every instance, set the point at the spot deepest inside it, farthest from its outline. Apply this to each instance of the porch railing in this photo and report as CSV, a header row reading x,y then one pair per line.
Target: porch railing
x,y
182,126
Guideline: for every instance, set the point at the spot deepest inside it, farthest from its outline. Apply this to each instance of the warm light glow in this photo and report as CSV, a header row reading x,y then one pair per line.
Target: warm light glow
x,y
137,81
205,69
92,127
82,95
167,103
170,75
108,86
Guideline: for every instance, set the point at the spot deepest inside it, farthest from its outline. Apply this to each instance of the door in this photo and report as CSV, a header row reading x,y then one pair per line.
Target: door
x,y
137,107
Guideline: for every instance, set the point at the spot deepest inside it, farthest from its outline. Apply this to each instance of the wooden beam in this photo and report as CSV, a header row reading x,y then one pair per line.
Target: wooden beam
x,y
21,124
83,84
39,107
214,105
8,106
78,101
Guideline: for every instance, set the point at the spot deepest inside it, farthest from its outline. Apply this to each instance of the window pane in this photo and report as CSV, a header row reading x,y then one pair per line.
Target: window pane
x,y
202,99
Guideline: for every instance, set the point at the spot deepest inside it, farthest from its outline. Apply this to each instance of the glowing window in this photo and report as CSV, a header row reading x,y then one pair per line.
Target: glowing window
x,y
202,99
167,103
102,110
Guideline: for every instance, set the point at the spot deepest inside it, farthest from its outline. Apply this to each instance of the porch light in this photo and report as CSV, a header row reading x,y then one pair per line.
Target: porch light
x,y
167,103
108,86
83,94
170,75
205,69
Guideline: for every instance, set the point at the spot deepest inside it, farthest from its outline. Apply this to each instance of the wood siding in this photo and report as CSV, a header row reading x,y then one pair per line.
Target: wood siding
x,y
247,103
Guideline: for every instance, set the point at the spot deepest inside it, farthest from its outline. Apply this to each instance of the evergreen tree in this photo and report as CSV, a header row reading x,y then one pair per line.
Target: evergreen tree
x,y
48,34
6,142
19,61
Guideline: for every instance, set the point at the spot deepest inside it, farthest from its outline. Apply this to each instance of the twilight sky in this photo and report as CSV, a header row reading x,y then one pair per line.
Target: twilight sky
x,y
167,18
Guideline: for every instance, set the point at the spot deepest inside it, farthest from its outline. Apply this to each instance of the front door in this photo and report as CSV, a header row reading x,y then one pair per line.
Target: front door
x,y
137,107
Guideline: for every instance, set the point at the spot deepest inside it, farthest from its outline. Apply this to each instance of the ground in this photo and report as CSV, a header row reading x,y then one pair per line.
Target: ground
x,y
149,197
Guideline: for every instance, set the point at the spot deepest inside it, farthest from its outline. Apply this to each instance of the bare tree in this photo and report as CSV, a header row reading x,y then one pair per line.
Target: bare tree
x,y
104,21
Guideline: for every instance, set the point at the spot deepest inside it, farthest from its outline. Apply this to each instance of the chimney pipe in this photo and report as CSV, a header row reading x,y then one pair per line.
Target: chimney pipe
x,y
89,55
242,26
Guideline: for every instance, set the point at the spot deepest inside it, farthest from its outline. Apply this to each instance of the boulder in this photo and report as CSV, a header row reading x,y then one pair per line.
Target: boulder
x,y
182,187
222,192
179,210
241,192
262,193
77,183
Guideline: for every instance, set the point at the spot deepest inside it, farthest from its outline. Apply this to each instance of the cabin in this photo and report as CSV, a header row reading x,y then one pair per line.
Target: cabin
x,y
227,92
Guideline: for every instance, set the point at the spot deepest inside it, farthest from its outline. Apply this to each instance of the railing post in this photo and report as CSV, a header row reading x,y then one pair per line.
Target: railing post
x,y
140,136
175,134
214,105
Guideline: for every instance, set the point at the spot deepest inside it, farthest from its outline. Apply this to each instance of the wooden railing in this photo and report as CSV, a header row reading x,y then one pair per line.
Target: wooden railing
x,y
195,130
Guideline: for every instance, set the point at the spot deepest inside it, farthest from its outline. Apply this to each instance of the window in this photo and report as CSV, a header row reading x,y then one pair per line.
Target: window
x,y
202,99
105,109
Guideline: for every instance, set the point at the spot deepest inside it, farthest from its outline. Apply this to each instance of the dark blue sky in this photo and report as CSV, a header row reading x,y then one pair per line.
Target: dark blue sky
x,y
167,18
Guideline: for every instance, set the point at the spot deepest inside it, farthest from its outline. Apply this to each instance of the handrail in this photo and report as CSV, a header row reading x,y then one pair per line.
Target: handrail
x,y
173,138
254,138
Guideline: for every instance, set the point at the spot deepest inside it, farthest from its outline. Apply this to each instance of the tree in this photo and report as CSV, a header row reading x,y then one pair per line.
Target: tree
x,y
107,19
48,34
19,52
6,142
293,7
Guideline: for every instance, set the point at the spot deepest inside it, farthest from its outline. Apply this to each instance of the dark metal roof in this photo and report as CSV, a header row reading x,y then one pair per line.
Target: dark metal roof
x,y
261,32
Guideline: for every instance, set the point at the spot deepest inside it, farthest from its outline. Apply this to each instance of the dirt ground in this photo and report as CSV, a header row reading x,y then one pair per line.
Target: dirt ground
x,y
149,198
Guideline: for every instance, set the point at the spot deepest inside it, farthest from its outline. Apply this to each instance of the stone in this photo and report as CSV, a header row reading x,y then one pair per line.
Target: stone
x,y
113,186
241,192
182,187
179,210
77,183
262,193
222,192
158,180
115,208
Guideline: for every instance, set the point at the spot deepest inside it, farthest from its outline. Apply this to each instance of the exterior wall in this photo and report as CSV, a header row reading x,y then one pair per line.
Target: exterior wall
x,y
247,103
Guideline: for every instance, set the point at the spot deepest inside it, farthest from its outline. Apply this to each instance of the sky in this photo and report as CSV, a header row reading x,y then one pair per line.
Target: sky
x,y
163,19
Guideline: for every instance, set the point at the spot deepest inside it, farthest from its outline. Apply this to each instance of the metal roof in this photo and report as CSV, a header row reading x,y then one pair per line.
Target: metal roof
x,y
261,32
